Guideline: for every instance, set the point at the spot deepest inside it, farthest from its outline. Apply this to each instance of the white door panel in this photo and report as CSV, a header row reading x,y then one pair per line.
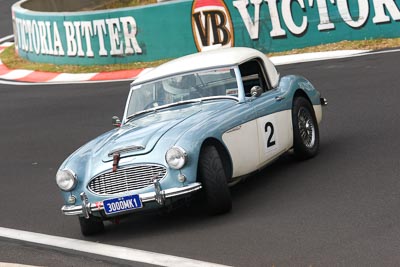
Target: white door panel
x,y
275,135
255,143
242,143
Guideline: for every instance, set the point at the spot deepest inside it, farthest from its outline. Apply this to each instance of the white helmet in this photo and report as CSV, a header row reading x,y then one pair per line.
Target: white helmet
x,y
179,85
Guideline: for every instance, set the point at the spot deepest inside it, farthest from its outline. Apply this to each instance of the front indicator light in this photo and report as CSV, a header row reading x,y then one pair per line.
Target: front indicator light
x,y
71,199
181,178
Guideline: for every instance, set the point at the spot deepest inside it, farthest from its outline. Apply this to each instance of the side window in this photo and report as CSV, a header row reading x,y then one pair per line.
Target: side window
x,y
252,75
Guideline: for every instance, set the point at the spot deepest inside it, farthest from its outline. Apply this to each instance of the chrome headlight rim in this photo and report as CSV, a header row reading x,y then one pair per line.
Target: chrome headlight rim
x,y
176,157
62,176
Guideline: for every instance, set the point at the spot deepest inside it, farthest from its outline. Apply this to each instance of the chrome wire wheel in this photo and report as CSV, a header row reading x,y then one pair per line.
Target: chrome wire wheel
x,y
306,127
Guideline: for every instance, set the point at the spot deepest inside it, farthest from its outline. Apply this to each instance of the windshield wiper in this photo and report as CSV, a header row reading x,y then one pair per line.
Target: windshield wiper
x,y
198,100
182,102
139,113
217,97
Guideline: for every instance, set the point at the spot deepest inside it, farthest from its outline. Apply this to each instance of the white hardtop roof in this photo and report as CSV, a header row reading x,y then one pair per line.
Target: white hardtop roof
x,y
221,57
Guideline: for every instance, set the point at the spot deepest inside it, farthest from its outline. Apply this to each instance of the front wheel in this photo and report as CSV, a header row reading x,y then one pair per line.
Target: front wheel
x,y
91,226
213,178
305,129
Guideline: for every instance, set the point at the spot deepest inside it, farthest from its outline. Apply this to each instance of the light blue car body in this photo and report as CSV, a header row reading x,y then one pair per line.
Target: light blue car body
x,y
188,126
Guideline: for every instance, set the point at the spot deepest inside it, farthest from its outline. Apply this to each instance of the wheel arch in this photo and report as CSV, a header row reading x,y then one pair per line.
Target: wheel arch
x,y
300,93
223,153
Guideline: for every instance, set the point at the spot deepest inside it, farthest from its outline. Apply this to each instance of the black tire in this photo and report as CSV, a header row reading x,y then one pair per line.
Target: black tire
x,y
213,178
91,226
305,129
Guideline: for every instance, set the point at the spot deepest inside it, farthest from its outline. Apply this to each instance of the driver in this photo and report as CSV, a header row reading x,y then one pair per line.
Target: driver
x,y
179,88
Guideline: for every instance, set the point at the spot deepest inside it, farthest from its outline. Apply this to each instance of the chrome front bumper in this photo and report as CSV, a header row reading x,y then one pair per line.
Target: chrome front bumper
x,y
87,208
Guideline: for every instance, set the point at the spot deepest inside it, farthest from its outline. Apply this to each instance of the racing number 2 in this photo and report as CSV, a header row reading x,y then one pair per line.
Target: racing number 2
x,y
269,130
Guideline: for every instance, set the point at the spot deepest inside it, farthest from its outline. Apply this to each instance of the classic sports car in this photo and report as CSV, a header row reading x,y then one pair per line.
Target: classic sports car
x,y
198,123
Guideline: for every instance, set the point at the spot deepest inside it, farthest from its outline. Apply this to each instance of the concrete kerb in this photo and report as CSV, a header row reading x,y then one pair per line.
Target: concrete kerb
x,y
29,76
21,75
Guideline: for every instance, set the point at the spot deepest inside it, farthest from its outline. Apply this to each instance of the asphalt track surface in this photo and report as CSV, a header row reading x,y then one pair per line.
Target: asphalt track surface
x,y
340,208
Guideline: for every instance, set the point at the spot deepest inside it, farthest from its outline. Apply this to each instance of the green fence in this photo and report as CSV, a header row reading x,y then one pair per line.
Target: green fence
x,y
176,28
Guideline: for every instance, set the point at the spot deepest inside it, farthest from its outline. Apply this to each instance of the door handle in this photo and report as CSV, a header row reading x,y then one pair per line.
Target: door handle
x,y
279,98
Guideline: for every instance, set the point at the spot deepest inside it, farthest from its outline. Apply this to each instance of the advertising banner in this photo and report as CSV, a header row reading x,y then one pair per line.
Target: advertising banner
x,y
176,28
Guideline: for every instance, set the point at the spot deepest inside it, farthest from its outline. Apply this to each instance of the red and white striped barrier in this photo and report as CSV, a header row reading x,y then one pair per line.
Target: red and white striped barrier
x,y
56,77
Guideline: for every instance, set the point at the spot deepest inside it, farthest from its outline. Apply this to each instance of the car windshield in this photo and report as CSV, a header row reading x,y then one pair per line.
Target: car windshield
x,y
184,88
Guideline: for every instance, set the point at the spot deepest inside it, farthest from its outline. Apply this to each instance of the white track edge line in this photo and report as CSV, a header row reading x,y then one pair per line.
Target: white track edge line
x,y
8,37
112,251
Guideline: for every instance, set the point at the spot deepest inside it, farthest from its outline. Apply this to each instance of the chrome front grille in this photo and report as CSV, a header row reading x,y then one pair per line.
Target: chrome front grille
x,y
126,179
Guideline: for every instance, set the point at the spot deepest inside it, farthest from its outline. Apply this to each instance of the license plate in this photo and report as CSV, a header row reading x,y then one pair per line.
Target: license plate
x,y
121,204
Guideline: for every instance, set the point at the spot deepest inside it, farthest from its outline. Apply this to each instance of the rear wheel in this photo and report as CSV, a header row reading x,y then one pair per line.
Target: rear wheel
x,y
305,129
213,178
91,226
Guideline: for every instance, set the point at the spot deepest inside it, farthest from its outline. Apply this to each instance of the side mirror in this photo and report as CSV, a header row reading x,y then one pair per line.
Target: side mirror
x,y
116,122
256,91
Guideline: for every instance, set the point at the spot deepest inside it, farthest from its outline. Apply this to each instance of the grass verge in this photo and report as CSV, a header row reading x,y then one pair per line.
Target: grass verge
x,y
12,61
375,44
122,4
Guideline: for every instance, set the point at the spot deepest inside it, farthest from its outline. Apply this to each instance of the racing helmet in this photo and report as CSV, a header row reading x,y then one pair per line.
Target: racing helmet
x,y
179,85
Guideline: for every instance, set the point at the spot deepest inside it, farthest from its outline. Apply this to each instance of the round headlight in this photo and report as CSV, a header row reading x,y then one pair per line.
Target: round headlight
x,y
176,157
66,180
